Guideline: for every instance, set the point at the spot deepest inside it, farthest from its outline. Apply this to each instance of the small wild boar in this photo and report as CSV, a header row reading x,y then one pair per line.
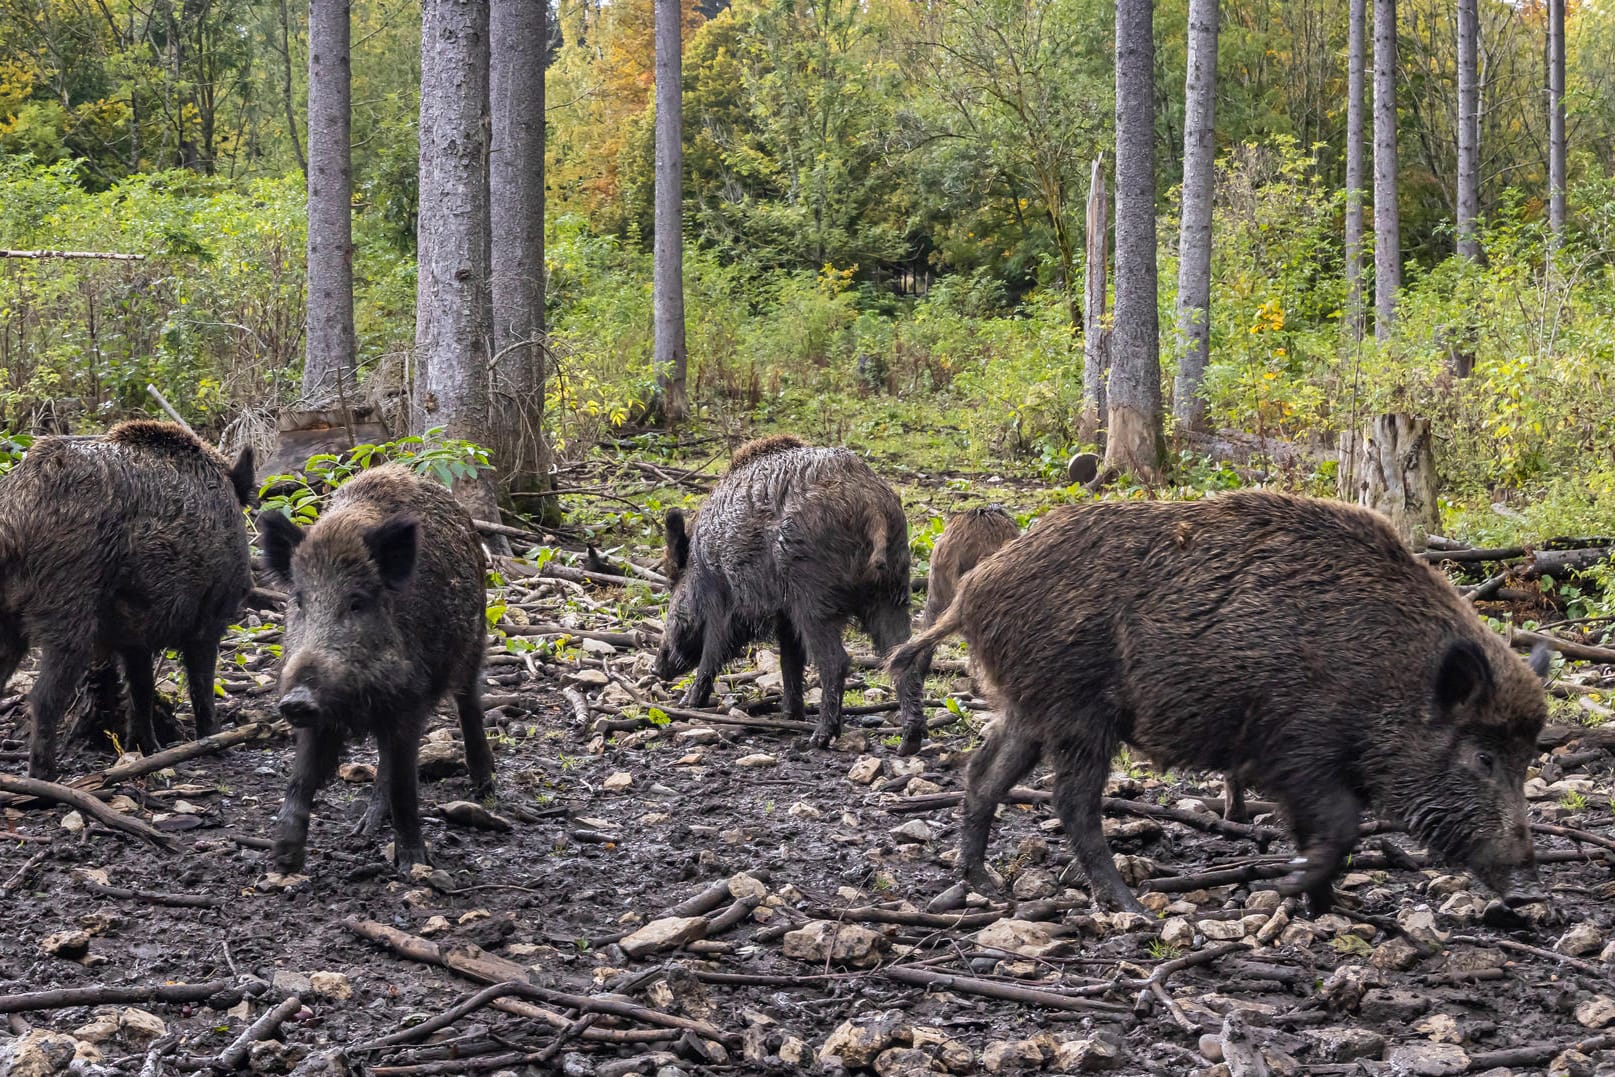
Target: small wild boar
x,y
1291,642
971,537
385,619
120,546
792,544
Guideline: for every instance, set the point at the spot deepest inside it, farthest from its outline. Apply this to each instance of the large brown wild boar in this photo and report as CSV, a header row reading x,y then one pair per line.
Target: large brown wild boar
x,y
792,544
1294,642
385,618
120,546
969,538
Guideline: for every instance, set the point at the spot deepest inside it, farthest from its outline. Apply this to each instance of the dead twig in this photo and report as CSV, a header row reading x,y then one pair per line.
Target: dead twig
x,y
970,985
231,1058
152,897
229,992
84,802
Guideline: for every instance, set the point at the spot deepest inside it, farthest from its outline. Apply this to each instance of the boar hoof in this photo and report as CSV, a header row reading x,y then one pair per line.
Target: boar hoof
x,y
983,882
404,859
911,743
288,859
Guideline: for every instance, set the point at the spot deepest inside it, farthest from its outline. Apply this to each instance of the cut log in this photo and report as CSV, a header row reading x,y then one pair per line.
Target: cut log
x,y
1393,471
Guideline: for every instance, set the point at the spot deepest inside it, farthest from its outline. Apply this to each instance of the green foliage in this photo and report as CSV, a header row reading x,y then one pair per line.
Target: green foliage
x,y
301,496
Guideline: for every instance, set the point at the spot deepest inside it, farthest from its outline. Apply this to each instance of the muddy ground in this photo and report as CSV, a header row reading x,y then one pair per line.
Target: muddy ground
x,y
613,827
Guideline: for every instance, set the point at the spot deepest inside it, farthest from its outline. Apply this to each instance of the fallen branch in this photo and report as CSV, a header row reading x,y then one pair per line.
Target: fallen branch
x,y
1537,1054
1580,652
21,873
229,992
1592,968
468,1005
84,802
231,1058
126,769
969,985
151,897
937,921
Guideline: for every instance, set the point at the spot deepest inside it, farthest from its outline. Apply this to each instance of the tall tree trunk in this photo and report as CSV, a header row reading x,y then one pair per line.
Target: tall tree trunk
x,y
1387,216
1133,429
328,366
452,307
1357,17
668,285
1556,120
1468,128
1194,237
516,191
1095,334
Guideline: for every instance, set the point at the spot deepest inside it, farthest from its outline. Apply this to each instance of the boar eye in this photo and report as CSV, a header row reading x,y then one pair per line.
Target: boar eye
x,y
1487,761
358,603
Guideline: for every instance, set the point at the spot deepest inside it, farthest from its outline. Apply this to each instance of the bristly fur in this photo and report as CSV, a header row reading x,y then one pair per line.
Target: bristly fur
x,y
1292,641
760,447
970,538
158,436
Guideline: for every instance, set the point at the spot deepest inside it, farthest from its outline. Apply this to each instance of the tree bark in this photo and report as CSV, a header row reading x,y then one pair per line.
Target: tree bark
x,y
329,363
453,309
1357,17
1387,216
1468,128
1133,428
1556,121
1194,238
1395,474
287,98
668,286
516,194
1095,334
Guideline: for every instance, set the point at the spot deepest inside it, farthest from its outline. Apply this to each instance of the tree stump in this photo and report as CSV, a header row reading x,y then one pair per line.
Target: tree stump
x,y
1391,468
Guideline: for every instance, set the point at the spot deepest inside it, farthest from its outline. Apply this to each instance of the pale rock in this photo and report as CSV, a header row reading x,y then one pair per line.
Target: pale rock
x,y
859,1041
1596,1012
287,982
139,1028
1428,1059
38,1053
1580,940
274,880
1090,1054
1536,789
693,759
745,887
1465,906
793,1051
589,678
756,760
1122,923
441,759
1582,787
1135,869
185,807
69,945
1178,932
94,875
73,822
472,916
1035,883
1013,1056
1395,953
1025,937
1444,886
1192,804
803,810
123,804
920,787
332,985
914,831
1345,1044
619,782
98,1031
1353,879
1255,922
1299,933
664,934
905,767
1419,924
865,770
1439,1027
698,735
435,925
1264,900
596,646
1346,986
841,944
904,1062
1222,930
1607,954
1332,924
1158,903
1572,1063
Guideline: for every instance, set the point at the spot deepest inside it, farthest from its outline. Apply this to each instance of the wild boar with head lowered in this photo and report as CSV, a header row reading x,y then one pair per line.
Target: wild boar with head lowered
x,y
970,538
120,546
793,543
1294,642
385,618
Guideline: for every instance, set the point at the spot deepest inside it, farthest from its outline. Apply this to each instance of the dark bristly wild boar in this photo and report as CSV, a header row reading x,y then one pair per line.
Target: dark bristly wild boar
x,y
385,619
793,543
120,546
969,538
1292,642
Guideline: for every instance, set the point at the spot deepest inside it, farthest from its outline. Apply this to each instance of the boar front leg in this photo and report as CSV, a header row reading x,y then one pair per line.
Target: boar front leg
x,y
478,756
402,746
889,628
830,657
201,662
379,809
142,697
714,653
317,753
1002,760
1079,783
1324,819
792,665
61,669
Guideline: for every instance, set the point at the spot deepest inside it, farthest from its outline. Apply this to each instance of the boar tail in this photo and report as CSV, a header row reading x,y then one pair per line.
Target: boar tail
x,y
921,646
877,552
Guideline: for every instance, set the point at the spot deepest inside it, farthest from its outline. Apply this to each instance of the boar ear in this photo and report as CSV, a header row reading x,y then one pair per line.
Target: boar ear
x,y
392,547
1541,660
1464,677
241,478
678,541
278,537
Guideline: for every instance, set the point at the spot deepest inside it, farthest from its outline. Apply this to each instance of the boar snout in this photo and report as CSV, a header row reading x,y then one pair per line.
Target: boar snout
x,y
299,707
1520,886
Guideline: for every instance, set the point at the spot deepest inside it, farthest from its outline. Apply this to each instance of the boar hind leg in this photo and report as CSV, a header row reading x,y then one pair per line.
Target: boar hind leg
x,y
889,628
201,661
61,669
830,658
317,753
713,656
1079,784
402,745
379,810
478,756
792,666
142,698
1324,819
1003,759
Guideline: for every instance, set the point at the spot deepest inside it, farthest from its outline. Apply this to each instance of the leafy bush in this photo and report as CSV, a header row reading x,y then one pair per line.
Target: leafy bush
x,y
302,496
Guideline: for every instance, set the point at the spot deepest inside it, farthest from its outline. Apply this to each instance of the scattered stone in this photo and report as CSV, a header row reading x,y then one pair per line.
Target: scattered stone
x,y
435,925
1346,986
920,787
1428,1059
1572,1063
665,934
619,782
698,735
843,944
68,945
1025,937
331,985
1013,1056
744,886
1089,1054
589,678
1465,906
859,1041
915,830
756,759
1122,923
98,1031
139,1028
1440,1027
123,804
1034,884
865,770
441,759
1345,1044
1396,953
287,982
793,1051
904,1061
803,810
274,880
1178,932
38,1053
1264,900
1596,1012
73,822
1222,930
1580,940
357,773
1419,923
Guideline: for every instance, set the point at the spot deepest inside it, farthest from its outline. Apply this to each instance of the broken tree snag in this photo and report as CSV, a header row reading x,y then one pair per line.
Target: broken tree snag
x,y
1392,470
